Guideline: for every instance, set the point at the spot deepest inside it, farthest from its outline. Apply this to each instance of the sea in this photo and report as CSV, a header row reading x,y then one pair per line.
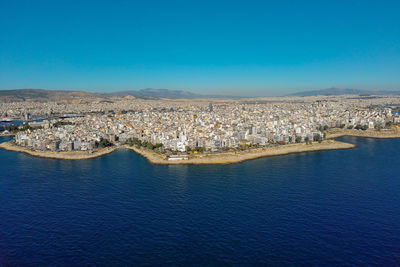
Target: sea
x,y
326,208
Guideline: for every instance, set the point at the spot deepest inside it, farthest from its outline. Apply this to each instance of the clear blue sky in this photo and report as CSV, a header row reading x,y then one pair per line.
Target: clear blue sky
x,y
227,47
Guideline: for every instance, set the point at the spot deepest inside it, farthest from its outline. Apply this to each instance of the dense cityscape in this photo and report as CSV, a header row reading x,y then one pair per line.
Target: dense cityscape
x,y
196,126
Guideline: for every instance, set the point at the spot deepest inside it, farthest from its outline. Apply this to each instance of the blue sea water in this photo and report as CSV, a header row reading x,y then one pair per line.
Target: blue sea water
x,y
314,209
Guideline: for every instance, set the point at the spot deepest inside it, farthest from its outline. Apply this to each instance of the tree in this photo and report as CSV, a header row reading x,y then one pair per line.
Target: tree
x,y
104,143
134,142
150,146
298,139
158,145
306,139
199,149
317,138
61,123
378,127
350,127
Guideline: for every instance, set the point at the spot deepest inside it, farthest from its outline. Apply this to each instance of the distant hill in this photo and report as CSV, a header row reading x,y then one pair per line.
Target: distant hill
x,y
150,93
346,91
157,93
41,95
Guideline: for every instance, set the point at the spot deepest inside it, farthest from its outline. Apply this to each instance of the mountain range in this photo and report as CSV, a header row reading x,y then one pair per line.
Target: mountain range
x,y
345,91
18,95
149,93
157,93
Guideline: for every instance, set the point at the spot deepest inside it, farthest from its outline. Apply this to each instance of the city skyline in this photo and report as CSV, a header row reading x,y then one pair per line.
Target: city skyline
x,y
255,49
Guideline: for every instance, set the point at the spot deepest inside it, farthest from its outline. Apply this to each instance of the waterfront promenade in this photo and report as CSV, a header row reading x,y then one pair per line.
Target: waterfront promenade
x,y
393,132
220,157
239,156
73,155
212,158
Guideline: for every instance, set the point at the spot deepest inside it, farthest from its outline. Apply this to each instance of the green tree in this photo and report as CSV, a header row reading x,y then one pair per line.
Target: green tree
x,y
158,145
61,123
150,146
317,138
104,143
379,127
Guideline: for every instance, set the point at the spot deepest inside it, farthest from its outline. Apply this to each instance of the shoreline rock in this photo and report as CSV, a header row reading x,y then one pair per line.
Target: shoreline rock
x,y
234,157
223,157
7,134
335,133
76,155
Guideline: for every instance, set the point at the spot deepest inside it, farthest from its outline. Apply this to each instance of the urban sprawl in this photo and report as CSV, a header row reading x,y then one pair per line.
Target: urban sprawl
x,y
197,126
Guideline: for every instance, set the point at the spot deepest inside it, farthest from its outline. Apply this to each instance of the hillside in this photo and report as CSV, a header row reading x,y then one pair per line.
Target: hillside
x,y
150,93
19,95
345,91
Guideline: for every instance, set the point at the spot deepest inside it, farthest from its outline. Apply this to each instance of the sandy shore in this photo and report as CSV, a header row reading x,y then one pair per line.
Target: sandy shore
x,y
233,157
58,155
392,133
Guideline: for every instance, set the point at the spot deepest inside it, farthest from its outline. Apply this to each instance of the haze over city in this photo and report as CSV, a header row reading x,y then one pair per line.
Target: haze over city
x,y
252,48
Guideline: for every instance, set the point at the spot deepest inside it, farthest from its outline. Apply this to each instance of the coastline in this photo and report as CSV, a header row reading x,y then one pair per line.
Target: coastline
x,y
223,157
392,133
8,134
234,157
78,155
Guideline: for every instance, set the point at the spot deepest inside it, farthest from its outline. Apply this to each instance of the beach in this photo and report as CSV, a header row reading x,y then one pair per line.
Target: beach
x,y
76,155
234,157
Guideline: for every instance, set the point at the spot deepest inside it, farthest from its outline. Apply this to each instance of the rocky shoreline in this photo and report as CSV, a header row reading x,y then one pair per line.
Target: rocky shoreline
x,y
234,157
391,133
78,155
7,134
223,157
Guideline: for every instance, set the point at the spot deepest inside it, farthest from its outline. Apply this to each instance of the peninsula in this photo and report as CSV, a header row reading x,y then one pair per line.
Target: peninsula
x,y
212,158
234,157
221,157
